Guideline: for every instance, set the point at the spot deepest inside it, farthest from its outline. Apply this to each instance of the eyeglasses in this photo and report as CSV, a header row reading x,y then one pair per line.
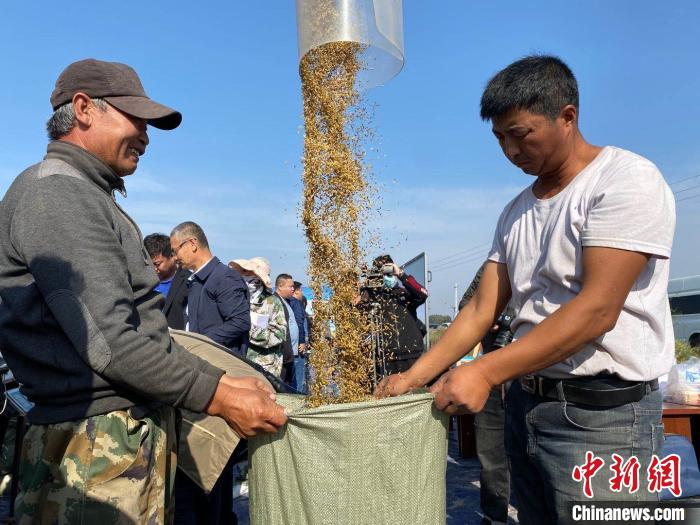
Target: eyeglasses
x,y
182,244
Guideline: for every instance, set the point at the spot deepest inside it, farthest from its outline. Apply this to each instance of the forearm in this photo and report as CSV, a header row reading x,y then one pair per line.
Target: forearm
x,y
168,374
556,338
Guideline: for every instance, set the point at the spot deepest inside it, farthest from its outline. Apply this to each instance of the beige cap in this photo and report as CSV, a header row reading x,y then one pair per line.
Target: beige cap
x,y
258,265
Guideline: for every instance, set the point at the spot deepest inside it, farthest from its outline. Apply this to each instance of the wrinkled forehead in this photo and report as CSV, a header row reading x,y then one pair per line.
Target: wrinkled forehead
x,y
516,118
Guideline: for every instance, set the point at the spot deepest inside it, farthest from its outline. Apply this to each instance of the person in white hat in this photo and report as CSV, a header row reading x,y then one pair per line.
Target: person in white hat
x,y
268,327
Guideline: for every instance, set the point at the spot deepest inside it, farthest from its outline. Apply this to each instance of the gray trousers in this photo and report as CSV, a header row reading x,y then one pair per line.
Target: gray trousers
x,y
490,449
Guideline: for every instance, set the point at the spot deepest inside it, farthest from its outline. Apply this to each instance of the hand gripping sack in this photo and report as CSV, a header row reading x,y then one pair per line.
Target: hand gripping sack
x,y
373,462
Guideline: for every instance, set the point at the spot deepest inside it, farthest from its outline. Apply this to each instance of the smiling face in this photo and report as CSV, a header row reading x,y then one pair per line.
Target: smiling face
x,y
536,144
118,139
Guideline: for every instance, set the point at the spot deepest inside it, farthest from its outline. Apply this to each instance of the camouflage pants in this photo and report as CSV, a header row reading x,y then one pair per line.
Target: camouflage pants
x,y
103,470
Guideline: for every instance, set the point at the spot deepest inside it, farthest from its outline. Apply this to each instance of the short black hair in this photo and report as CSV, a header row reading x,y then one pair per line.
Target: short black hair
x,y
191,230
158,244
282,277
297,285
541,84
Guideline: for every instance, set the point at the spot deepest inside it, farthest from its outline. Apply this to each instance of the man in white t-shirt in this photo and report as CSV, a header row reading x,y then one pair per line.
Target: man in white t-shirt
x,y
583,256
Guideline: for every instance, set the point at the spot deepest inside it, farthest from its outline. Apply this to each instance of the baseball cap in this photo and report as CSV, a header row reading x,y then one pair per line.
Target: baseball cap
x,y
116,83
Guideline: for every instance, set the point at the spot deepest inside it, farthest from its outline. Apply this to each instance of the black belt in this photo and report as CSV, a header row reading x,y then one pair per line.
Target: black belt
x,y
599,391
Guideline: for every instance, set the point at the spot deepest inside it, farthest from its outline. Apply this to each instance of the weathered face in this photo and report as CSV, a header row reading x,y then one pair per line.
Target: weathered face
x,y
165,266
285,288
118,139
184,251
534,143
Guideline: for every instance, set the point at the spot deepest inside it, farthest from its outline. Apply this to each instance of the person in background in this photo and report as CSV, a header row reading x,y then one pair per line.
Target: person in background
x,y
393,305
284,289
268,326
173,279
218,305
299,294
300,360
489,426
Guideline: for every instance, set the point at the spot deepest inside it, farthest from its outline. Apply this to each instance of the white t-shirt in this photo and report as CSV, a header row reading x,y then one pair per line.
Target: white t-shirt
x,y
620,200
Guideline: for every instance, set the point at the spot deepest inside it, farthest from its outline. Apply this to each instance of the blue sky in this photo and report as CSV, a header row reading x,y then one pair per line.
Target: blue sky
x,y
231,69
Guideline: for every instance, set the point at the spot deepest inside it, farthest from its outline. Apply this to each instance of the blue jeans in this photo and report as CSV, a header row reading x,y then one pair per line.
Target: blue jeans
x,y
300,374
546,439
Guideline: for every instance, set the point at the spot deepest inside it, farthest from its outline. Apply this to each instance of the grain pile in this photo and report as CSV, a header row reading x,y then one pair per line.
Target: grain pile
x,y
335,205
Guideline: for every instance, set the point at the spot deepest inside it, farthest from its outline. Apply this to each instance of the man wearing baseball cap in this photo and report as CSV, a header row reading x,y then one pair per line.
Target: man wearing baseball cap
x,y
81,325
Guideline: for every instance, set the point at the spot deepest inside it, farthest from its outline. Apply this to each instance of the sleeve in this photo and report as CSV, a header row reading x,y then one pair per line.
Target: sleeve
x,y
631,209
67,237
276,331
234,307
417,294
497,253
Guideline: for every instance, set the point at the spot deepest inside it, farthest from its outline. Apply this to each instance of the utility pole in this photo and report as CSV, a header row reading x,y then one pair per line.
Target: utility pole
x,y
456,305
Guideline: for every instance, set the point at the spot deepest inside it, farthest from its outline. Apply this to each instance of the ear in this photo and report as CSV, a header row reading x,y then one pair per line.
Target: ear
x,y
83,109
569,115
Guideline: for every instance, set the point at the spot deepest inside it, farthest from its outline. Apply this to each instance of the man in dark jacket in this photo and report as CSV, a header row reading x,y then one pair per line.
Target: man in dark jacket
x,y
284,289
298,304
392,306
80,323
218,304
173,279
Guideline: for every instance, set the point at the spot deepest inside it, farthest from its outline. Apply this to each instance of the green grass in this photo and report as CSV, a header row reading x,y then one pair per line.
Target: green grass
x,y
436,334
684,351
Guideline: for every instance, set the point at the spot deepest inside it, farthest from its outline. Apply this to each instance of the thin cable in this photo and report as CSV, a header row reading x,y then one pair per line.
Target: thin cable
x,y
686,189
475,257
688,198
460,261
683,180
472,249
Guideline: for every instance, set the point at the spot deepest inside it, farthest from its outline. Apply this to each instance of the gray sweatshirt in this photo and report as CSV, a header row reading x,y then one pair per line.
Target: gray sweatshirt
x,y
80,325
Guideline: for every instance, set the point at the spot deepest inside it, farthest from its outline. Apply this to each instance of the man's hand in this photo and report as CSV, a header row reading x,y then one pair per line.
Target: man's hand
x,y
394,385
462,390
250,383
302,349
398,272
248,411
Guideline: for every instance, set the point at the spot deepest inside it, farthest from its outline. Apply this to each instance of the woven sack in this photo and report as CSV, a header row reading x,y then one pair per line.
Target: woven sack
x,y
374,462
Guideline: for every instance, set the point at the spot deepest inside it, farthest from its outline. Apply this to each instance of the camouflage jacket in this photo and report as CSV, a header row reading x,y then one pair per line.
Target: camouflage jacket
x,y
274,334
